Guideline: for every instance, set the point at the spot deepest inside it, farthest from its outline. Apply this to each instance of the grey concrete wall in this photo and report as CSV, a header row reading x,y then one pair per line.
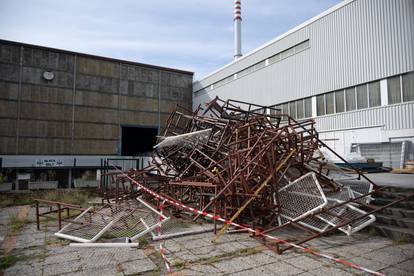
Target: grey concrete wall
x,y
81,110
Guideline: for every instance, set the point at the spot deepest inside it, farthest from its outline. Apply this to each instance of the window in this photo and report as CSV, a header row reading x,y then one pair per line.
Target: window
x,y
299,109
408,87
292,109
274,59
260,65
374,94
287,52
302,46
279,107
329,103
308,107
362,96
285,108
224,81
394,90
320,105
339,101
283,54
246,71
274,111
350,99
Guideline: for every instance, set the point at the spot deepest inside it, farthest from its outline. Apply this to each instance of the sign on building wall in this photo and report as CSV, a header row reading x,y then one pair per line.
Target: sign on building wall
x,y
49,163
23,176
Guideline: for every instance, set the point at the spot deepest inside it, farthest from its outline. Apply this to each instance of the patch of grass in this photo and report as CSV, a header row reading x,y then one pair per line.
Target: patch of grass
x,y
400,239
72,197
60,242
143,242
16,224
80,197
7,261
108,236
178,264
212,260
7,200
249,251
240,252
372,232
157,254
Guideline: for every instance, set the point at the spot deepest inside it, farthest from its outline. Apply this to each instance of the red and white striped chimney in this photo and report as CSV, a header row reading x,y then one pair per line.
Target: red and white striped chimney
x,y
237,29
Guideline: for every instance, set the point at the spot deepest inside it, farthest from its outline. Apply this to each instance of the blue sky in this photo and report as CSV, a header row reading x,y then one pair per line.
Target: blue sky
x,y
195,35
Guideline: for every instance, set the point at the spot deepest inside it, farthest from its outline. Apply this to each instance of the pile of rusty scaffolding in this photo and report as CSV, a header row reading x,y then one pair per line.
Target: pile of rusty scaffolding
x,y
255,166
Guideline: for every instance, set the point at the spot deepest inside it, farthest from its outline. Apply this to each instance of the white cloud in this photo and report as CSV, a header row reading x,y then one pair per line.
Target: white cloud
x,y
188,34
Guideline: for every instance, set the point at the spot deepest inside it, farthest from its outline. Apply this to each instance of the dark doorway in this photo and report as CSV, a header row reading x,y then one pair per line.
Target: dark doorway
x,y
138,140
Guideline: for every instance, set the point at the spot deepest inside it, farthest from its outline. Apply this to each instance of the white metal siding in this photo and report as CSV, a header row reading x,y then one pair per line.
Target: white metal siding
x,y
388,153
397,116
362,41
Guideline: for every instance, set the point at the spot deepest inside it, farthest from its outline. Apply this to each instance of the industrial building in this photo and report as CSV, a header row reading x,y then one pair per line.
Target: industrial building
x,y
350,68
62,113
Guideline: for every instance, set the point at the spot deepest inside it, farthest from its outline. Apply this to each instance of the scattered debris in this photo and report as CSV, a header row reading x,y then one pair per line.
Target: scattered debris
x,y
244,165
409,168
126,220
255,166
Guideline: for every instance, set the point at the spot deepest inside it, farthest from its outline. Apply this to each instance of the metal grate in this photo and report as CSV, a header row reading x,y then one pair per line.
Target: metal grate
x,y
128,219
391,154
345,212
360,188
301,197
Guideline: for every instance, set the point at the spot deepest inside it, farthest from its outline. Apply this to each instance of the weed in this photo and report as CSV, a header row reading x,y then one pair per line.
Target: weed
x,y
400,239
56,243
240,252
372,232
249,251
157,254
178,264
76,197
73,197
211,260
15,223
108,236
143,242
64,242
7,261
7,200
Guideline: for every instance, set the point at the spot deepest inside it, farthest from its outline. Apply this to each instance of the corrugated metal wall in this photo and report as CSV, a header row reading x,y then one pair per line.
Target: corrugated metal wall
x,y
388,153
397,116
364,40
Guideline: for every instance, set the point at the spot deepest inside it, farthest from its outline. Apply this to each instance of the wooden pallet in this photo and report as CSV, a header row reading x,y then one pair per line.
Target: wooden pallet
x,y
405,171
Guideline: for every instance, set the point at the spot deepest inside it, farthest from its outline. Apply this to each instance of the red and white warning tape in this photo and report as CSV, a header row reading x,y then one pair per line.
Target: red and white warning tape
x,y
162,250
256,232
